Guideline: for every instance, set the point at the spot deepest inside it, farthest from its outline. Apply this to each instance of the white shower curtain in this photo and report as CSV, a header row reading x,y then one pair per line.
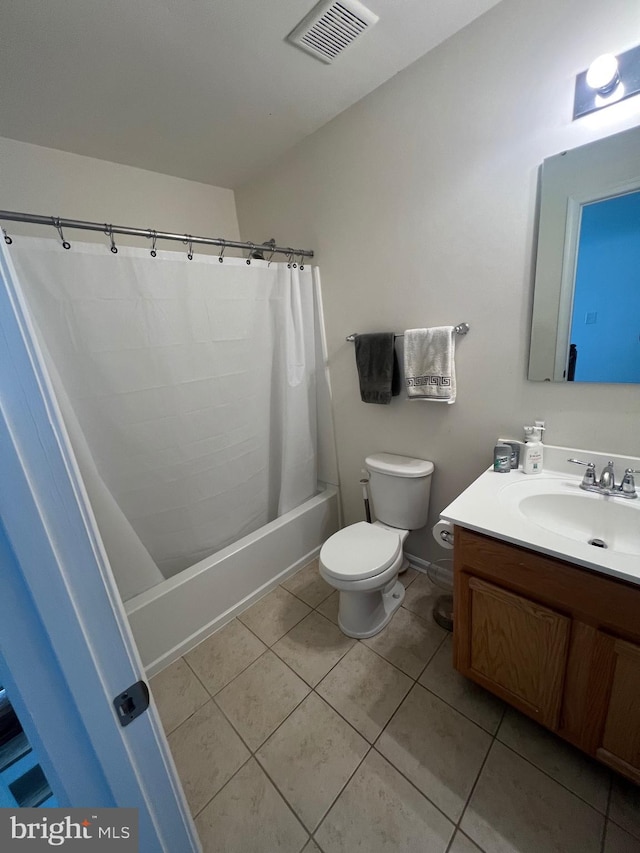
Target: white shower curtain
x,y
191,384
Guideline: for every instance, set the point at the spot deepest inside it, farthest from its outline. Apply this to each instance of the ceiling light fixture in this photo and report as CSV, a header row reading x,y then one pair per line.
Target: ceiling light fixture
x,y
608,79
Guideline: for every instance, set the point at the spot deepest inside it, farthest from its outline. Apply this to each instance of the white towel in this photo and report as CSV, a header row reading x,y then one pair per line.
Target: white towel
x,y
429,369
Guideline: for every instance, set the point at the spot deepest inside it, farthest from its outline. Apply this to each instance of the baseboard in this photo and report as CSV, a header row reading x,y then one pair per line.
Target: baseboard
x,y
417,563
434,568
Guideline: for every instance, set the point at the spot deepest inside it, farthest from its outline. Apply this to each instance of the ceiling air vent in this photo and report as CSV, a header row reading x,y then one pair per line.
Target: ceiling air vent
x,y
331,27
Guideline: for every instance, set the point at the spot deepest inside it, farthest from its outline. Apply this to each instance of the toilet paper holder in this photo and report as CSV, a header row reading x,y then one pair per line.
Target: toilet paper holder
x,y
443,607
442,532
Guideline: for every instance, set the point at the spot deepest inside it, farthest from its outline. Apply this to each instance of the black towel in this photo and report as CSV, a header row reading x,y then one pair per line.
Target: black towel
x,y
377,365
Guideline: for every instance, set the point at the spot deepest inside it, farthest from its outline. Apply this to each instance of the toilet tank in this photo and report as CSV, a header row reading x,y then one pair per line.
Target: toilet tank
x,y
399,487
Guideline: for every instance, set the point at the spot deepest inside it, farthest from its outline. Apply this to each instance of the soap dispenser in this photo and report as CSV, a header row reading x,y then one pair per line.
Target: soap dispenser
x,y
533,449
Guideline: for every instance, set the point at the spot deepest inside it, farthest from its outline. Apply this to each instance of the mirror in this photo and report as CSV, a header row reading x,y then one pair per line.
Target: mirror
x,y
586,311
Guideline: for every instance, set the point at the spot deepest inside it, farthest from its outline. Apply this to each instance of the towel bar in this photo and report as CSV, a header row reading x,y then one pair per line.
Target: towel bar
x,y
460,329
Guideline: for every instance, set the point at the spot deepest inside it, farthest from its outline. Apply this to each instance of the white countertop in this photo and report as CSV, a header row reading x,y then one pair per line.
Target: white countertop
x,y
488,506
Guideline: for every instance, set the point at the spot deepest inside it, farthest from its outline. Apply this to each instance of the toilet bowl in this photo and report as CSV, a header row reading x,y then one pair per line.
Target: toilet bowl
x,y
362,561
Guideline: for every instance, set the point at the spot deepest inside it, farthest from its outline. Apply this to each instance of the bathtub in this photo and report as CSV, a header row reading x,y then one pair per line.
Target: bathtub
x,y
177,614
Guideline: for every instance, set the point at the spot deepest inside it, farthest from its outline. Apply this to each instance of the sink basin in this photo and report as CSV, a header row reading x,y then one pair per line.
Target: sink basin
x,y
551,514
562,508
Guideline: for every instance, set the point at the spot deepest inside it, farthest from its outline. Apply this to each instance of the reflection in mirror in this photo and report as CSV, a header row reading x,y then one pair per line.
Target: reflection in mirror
x,y
586,315
605,321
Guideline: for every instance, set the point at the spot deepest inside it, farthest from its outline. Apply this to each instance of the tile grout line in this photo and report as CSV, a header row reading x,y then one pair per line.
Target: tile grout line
x,y
284,799
437,649
607,819
431,657
545,773
413,678
411,782
167,734
453,708
475,784
339,794
213,695
313,686
194,712
626,829
336,711
253,753
415,787
372,745
269,645
297,705
311,690
299,597
233,775
209,693
251,631
356,640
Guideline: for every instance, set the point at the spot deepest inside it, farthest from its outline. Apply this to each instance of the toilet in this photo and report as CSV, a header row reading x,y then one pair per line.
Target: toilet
x,y
363,560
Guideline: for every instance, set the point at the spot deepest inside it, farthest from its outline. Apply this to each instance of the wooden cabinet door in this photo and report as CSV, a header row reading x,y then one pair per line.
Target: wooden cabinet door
x,y
515,648
620,739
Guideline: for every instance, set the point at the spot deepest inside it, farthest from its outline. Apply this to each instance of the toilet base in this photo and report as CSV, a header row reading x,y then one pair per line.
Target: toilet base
x,y
404,567
364,614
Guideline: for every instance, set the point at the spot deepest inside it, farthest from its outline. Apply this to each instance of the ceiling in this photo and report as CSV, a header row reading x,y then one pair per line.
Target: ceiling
x,y
201,89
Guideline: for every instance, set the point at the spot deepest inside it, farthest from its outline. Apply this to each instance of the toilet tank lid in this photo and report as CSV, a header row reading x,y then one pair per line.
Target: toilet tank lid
x,y
399,466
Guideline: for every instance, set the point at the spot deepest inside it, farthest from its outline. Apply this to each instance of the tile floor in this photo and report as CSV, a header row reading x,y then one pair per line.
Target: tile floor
x,y
289,736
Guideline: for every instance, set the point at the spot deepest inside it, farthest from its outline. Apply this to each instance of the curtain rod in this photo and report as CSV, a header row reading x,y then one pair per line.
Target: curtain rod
x,y
59,223
460,329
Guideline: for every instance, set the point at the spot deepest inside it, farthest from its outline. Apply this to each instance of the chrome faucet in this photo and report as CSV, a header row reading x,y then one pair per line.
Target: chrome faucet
x,y
628,484
606,485
607,477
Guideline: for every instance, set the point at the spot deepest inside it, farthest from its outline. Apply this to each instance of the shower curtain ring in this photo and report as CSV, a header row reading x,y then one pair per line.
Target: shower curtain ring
x,y
190,242
301,262
108,230
153,236
271,257
7,239
56,222
290,262
251,250
224,246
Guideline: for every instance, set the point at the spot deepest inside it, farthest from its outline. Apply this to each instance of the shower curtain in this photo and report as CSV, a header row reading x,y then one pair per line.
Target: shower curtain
x,y
187,388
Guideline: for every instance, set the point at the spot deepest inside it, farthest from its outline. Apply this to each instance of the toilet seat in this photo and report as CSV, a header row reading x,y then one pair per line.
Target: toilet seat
x,y
360,551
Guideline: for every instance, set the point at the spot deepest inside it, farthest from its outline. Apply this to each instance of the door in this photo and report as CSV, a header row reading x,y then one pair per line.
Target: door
x,y
64,637
617,666
515,648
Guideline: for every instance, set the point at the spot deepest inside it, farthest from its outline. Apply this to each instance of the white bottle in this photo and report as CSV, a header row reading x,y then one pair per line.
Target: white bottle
x,y
533,449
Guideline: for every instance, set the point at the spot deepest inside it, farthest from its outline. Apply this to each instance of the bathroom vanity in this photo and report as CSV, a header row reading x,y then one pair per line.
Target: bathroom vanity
x,y
545,620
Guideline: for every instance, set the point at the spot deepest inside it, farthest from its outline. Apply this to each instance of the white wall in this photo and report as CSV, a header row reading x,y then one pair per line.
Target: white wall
x,y
420,202
50,182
